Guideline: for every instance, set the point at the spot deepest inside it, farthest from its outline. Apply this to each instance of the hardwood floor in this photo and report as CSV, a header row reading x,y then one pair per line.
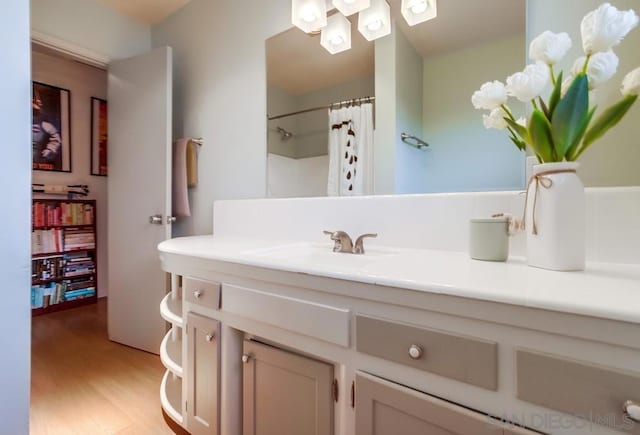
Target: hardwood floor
x,y
84,384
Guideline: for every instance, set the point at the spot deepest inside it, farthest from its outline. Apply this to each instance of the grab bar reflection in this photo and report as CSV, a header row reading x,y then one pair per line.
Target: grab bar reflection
x,y
413,141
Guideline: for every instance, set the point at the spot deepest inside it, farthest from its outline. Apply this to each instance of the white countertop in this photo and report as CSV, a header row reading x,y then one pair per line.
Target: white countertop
x,y
604,290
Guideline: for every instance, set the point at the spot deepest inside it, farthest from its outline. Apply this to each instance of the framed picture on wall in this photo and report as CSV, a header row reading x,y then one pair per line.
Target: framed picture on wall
x,y
98,137
51,128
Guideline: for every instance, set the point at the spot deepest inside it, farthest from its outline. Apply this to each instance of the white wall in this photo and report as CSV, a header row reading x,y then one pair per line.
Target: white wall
x,y
614,159
463,155
220,94
15,175
84,82
384,135
411,163
279,102
90,25
297,178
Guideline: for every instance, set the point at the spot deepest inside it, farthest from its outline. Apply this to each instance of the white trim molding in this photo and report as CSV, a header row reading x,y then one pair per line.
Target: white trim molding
x,y
76,52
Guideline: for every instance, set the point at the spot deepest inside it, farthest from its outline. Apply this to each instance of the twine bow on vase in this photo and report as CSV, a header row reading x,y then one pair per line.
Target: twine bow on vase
x,y
554,217
541,179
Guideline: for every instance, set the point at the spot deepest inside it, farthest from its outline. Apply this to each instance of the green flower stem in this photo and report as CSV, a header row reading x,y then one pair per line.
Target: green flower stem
x,y
553,77
586,64
535,105
508,112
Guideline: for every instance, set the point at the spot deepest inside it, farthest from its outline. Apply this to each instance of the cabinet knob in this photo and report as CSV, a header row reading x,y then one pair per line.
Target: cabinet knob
x,y
245,358
209,337
632,410
415,351
197,294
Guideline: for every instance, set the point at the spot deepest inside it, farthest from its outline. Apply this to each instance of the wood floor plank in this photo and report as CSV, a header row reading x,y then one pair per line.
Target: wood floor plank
x,y
82,383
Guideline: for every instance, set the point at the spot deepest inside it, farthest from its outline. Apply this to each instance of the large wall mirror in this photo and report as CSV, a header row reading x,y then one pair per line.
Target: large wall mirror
x,y
422,78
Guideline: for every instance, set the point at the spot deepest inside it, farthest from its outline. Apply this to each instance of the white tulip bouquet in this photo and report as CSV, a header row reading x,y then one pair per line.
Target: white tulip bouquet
x,y
563,127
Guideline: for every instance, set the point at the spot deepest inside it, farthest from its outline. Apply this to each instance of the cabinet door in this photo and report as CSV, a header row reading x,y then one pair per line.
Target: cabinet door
x,y
203,375
285,394
385,408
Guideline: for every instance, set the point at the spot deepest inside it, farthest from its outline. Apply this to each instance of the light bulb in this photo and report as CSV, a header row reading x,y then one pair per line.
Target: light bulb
x,y
336,36
308,15
418,11
419,7
336,40
374,25
349,2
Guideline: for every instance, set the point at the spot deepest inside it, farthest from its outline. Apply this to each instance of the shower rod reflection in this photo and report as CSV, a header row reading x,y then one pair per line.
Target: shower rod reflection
x,y
338,105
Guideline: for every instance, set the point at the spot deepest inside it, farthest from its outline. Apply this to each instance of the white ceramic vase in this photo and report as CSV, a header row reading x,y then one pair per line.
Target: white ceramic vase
x,y
555,217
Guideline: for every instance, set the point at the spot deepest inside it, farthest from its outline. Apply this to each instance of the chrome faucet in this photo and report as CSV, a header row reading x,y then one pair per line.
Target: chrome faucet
x,y
343,242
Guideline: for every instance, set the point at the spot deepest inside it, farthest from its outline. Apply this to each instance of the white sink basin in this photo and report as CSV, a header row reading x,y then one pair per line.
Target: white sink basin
x,y
321,255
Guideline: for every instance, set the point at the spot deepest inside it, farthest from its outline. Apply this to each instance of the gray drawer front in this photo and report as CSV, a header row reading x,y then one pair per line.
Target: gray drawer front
x,y
465,359
577,388
203,293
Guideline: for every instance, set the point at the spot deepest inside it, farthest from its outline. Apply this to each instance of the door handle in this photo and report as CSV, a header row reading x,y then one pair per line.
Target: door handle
x,y
156,219
171,220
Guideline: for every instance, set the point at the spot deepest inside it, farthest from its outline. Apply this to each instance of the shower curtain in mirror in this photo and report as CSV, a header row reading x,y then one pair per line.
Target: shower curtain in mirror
x,y
351,151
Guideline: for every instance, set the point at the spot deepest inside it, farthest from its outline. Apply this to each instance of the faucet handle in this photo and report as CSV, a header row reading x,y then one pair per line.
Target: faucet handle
x,y
342,241
359,245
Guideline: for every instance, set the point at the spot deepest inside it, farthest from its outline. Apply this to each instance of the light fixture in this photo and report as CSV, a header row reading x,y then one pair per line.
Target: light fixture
x,y
350,7
375,22
336,36
309,15
418,11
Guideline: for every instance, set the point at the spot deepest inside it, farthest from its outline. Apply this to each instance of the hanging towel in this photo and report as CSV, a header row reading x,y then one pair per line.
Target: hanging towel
x,y
192,164
180,196
351,151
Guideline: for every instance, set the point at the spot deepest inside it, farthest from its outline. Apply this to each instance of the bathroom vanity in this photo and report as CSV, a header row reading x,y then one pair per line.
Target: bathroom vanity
x,y
280,335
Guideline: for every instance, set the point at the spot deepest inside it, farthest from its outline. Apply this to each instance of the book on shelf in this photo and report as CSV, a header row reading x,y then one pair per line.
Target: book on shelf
x,y
48,213
63,242
46,241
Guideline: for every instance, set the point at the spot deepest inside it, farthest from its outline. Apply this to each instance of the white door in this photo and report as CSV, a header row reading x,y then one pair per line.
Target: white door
x,y
139,186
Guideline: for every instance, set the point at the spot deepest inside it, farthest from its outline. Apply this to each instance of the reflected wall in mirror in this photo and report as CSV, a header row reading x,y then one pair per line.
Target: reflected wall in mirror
x,y
436,67
423,78
303,79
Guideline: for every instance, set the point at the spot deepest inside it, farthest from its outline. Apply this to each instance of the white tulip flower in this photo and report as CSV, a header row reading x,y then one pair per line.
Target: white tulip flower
x,y
605,28
550,48
631,83
490,96
602,66
495,119
529,84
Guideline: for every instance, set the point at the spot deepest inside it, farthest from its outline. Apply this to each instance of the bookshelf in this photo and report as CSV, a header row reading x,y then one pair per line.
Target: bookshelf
x,y
63,254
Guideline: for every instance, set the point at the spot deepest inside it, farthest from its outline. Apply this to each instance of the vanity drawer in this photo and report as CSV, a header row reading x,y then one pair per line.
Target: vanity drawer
x,y
470,360
324,322
579,388
203,293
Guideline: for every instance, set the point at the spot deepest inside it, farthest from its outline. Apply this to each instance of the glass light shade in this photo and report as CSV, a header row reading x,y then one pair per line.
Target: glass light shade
x,y
336,36
375,22
418,11
309,15
350,7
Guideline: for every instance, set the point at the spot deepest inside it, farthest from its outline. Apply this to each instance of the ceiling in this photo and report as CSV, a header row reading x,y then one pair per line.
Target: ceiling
x,y
145,11
298,64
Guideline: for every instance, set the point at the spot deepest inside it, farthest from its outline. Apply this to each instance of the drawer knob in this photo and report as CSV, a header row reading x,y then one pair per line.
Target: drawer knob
x,y
632,409
245,358
197,294
209,337
415,351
